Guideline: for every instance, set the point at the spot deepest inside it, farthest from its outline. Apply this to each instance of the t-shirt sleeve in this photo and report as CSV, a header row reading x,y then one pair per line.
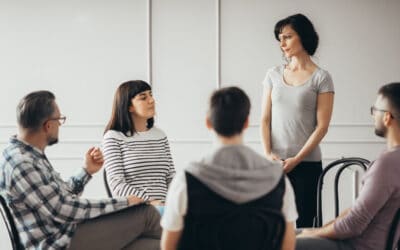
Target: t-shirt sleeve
x,y
267,83
326,85
289,205
176,204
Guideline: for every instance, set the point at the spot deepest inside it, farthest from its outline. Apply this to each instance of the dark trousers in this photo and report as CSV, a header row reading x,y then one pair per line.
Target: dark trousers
x,y
304,179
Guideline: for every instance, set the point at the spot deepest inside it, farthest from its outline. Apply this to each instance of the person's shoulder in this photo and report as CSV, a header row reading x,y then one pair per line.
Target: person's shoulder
x,y
323,74
113,134
157,132
180,176
16,158
10,156
277,69
388,159
178,183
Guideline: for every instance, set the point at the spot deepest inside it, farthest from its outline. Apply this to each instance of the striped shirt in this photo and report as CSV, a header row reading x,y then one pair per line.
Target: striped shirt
x,y
139,165
45,208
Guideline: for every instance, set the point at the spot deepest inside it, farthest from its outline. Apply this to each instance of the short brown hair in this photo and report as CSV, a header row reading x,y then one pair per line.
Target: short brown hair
x,y
34,109
391,92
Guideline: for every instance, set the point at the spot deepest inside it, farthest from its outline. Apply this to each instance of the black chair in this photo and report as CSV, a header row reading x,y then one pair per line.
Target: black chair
x,y
230,236
391,241
341,164
106,184
10,224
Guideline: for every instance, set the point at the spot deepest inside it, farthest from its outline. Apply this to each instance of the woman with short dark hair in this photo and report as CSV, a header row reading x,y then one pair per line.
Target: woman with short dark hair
x,y
297,108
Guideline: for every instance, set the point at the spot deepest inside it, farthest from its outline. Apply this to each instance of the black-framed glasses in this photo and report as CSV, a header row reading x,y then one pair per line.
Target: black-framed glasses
x,y
374,109
60,119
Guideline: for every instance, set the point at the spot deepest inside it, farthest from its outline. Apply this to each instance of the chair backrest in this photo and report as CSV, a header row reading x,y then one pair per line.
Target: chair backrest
x,y
257,229
106,183
10,225
340,165
391,240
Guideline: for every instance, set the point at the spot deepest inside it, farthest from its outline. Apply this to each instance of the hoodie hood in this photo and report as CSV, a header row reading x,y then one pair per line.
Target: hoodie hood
x,y
237,173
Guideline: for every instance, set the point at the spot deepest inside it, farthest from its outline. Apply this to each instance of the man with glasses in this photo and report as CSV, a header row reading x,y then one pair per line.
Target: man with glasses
x,y
49,212
367,223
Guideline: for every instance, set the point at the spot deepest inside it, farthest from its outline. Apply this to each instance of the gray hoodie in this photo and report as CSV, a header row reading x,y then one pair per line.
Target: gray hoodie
x,y
237,173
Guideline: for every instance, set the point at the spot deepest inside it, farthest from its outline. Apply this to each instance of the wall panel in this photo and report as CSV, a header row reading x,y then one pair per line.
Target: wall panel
x,y
184,64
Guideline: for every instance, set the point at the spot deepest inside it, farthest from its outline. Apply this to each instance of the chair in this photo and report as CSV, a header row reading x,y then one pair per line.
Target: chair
x,y
230,236
390,243
106,184
10,225
342,164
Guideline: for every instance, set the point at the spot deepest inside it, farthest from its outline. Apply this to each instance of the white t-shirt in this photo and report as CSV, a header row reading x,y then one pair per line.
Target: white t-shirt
x,y
177,199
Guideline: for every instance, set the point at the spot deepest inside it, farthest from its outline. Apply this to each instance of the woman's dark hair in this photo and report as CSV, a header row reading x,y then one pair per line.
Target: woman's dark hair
x,y
303,27
391,92
34,109
121,119
229,109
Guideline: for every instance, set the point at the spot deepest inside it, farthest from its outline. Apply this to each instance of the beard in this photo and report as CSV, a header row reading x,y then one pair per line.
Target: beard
x,y
51,141
380,131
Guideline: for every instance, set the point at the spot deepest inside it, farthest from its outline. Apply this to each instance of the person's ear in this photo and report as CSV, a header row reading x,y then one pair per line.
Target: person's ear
x,y
208,123
131,108
387,118
46,126
246,123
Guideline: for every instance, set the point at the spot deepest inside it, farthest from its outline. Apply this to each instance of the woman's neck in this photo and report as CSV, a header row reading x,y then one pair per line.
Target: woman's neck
x,y
140,123
301,62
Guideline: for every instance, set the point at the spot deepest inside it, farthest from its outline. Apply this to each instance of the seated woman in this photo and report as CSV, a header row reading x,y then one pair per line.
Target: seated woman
x,y
137,156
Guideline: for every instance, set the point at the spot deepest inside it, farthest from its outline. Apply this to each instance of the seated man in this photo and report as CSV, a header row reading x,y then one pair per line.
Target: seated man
x,y
233,176
366,225
48,212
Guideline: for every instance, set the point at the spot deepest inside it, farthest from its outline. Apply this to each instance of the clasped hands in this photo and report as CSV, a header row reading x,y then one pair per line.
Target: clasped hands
x,y
288,164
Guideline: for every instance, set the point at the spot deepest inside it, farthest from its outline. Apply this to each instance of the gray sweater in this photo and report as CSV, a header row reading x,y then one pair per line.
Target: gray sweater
x,y
367,224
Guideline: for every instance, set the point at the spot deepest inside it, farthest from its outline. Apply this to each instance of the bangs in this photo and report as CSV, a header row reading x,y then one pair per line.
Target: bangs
x,y
137,87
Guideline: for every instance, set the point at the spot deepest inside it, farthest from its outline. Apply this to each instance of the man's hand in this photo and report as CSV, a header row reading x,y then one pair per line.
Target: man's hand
x,y
93,160
134,200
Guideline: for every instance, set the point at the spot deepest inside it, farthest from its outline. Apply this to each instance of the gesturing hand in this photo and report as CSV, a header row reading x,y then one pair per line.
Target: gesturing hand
x,y
93,160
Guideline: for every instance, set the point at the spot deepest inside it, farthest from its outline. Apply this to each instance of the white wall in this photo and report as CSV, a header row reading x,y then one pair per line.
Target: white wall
x,y
82,50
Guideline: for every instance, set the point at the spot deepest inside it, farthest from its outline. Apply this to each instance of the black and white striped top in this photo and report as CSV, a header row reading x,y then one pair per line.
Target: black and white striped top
x,y
139,165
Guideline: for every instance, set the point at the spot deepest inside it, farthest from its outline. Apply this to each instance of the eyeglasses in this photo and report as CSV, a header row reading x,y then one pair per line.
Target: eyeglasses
x,y
60,119
374,109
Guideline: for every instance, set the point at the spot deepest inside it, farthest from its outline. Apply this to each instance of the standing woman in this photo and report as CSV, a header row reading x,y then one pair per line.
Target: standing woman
x,y
297,108
137,156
